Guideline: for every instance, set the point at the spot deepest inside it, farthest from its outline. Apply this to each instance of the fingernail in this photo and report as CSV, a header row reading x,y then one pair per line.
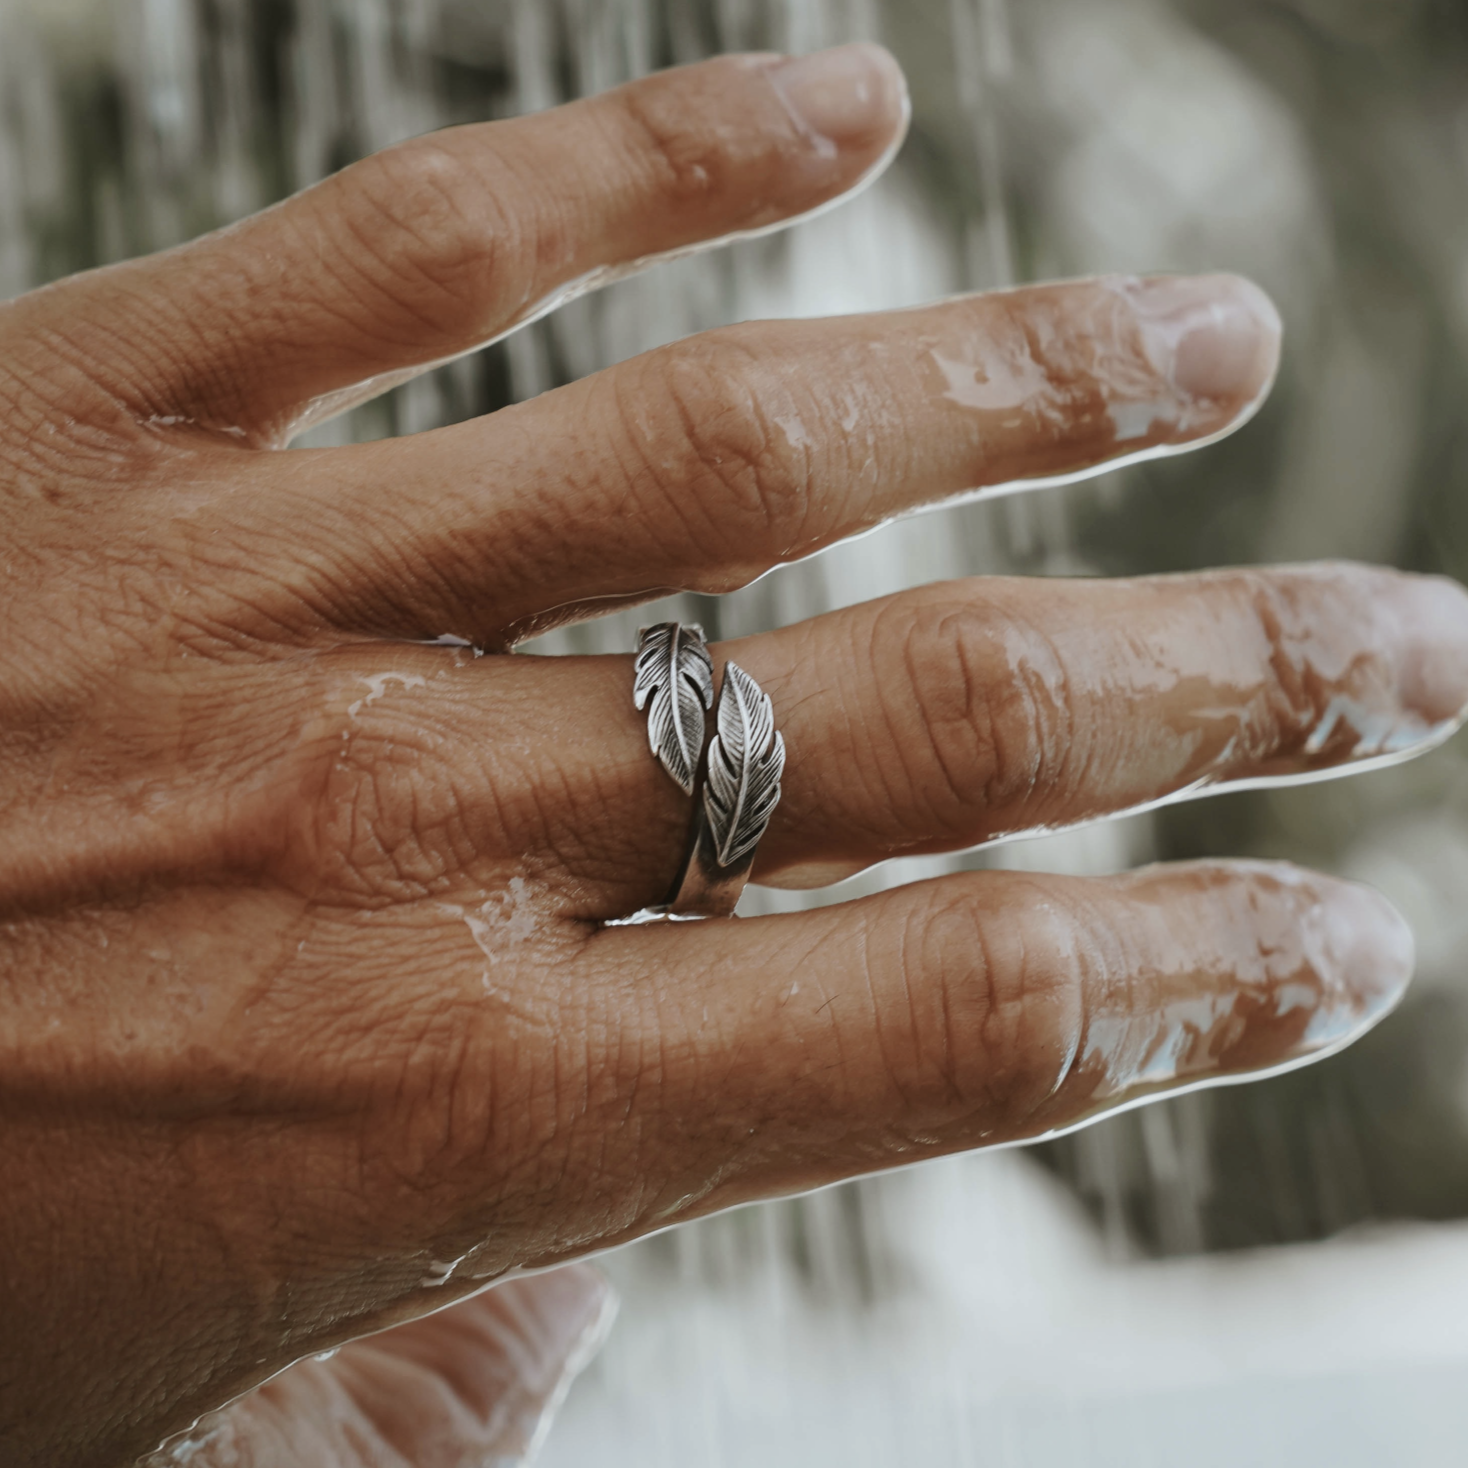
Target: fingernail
x,y
1362,948
844,97
1213,337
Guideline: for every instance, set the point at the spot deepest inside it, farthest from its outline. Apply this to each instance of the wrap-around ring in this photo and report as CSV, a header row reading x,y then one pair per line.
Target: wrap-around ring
x,y
735,782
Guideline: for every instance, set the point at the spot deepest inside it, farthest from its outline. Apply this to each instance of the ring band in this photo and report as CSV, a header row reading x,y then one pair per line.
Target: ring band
x,y
735,784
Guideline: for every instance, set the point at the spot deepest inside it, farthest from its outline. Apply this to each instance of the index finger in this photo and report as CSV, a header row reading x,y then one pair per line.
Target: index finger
x,y
439,244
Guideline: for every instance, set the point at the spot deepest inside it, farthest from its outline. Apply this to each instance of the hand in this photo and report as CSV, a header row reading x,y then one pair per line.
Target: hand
x,y
308,1021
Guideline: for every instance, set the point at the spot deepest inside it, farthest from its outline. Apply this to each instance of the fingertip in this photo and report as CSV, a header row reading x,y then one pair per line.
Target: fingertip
x,y
1365,953
1328,957
1215,339
1433,661
1391,652
849,100
1254,968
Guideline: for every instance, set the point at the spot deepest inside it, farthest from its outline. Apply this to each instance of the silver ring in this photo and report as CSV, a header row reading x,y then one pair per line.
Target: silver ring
x,y
673,678
739,793
735,784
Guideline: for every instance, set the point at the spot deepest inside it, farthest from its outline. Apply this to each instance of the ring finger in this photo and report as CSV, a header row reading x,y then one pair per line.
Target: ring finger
x,y
943,717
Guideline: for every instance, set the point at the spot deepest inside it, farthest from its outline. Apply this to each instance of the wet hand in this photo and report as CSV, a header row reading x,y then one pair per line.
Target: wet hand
x,y
309,1020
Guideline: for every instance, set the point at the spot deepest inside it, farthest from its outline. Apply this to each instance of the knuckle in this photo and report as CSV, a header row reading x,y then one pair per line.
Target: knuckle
x,y
375,822
476,1094
478,1077
947,662
995,1032
715,461
1021,681
383,799
398,816
425,225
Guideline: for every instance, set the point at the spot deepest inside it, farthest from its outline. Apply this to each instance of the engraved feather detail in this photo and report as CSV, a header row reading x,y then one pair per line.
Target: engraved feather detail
x,y
674,680
746,760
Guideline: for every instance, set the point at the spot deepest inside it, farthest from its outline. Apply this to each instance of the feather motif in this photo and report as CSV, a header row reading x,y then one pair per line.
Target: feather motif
x,y
674,680
746,759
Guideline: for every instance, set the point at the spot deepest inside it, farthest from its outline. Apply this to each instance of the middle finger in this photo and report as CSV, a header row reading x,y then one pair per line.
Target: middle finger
x,y
701,465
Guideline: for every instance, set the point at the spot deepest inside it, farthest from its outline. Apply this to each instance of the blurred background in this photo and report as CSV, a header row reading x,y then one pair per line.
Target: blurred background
x,y
1271,1274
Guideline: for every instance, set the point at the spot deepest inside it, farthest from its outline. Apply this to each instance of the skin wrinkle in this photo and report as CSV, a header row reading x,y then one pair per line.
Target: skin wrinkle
x,y
686,177
954,971
354,765
629,1107
152,611
930,653
427,189
980,718
268,301
1097,1067
1039,695
912,647
912,1064
153,414
1060,1076
672,501
478,1107
1002,1014
1073,1039
617,492
1000,1082
353,275
494,238
35,458
835,1014
883,776
733,449
550,237
242,623
143,339
1070,774
53,349
950,1034
458,553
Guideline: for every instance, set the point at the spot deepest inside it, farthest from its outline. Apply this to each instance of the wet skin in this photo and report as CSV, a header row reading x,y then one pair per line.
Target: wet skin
x,y
309,1019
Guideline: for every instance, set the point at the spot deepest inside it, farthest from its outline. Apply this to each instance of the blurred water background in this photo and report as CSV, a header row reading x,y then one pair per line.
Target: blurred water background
x,y
1276,1273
